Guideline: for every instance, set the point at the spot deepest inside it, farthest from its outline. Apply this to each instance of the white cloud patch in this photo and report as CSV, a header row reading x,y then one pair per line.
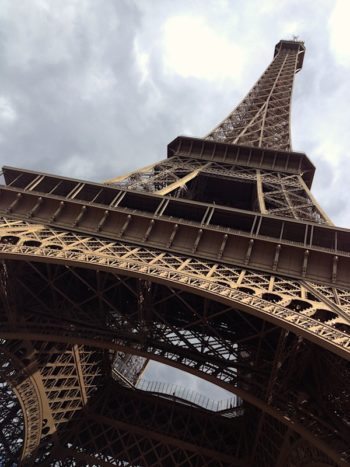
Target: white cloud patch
x,y
142,60
340,32
164,373
77,166
7,111
193,49
97,81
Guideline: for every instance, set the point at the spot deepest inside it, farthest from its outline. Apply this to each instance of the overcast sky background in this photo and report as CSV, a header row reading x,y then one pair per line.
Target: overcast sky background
x,y
91,89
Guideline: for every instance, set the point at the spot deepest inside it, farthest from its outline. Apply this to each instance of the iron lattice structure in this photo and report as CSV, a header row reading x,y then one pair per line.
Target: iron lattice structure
x,y
216,260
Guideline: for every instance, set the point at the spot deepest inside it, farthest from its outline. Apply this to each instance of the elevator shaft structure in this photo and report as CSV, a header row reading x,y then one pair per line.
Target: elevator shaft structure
x,y
216,260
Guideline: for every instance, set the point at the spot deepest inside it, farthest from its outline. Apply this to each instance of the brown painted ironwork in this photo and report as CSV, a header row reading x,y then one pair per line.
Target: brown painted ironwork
x,y
217,261
262,118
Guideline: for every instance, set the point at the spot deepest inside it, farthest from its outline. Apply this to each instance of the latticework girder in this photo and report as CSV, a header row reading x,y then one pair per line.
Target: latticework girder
x,y
217,261
262,118
42,287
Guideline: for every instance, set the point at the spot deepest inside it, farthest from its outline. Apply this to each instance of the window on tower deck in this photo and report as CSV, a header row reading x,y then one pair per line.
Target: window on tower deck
x,y
235,193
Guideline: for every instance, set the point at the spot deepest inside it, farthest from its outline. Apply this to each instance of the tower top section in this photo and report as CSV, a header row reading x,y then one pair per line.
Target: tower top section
x,y
262,119
292,45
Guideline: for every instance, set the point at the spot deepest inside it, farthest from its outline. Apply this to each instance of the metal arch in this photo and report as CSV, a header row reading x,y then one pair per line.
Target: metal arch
x,y
27,368
276,412
146,430
25,387
281,245
64,385
101,338
195,275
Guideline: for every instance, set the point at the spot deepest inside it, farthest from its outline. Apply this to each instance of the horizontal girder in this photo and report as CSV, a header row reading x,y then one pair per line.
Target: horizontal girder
x,y
140,429
244,156
319,253
220,282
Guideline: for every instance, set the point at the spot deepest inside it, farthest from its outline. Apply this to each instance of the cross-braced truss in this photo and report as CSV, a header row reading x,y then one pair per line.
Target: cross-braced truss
x,y
102,310
217,261
262,118
276,193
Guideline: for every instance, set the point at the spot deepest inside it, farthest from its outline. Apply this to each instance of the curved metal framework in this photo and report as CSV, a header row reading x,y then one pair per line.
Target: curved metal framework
x,y
217,261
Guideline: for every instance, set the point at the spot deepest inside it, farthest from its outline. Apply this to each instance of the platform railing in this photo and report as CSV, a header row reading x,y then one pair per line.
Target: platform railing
x,y
189,396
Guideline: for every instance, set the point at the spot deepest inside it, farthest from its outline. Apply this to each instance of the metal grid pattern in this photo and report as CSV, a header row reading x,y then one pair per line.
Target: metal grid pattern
x,y
262,118
82,302
255,360
282,194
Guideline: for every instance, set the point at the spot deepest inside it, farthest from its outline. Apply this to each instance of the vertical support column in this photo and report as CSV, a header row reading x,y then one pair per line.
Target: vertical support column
x,y
260,192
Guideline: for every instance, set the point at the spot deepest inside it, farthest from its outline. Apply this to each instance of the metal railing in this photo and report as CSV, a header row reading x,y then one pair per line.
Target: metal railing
x,y
189,396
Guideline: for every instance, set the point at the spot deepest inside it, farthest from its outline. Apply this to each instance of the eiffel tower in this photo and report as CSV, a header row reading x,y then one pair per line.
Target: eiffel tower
x,y
216,260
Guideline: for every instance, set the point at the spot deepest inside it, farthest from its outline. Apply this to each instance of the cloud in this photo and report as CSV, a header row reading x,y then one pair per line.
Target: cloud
x,y
339,32
142,60
7,111
164,373
99,90
193,48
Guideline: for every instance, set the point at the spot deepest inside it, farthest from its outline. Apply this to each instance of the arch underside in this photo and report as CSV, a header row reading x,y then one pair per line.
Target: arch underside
x,y
77,300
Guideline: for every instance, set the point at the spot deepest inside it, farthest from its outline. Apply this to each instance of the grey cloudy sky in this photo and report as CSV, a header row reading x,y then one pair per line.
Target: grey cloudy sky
x,y
92,89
